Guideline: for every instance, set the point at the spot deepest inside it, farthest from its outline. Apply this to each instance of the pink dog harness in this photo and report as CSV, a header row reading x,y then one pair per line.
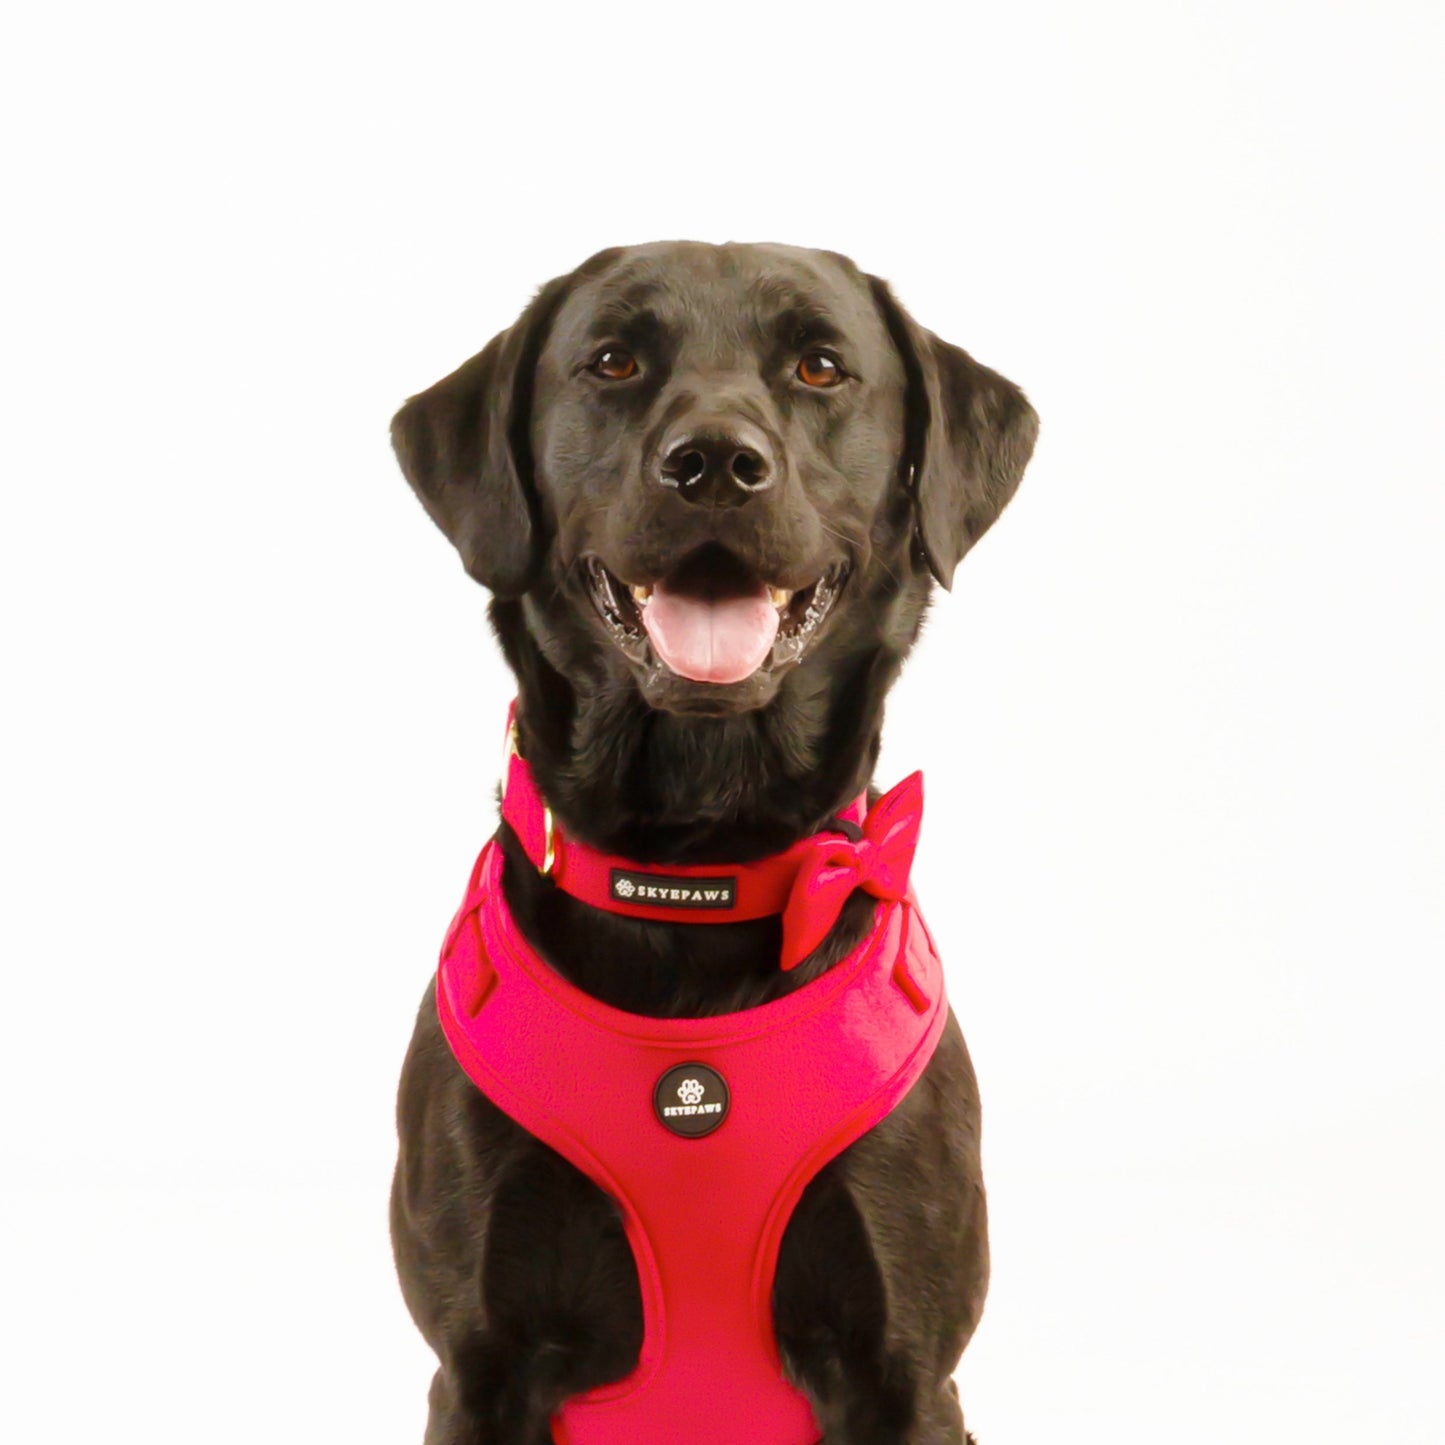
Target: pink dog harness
x,y
705,1131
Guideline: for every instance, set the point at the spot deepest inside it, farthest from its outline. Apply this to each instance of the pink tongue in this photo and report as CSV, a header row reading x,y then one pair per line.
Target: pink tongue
x,y
722,641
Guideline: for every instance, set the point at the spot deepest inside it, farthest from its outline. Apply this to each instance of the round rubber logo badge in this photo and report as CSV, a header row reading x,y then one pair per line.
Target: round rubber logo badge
x,y
691,1100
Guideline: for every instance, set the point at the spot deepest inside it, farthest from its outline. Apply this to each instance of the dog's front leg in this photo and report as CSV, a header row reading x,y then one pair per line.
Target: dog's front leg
x,y
935,1419
870,1380
884,1266
480,1400
514,1265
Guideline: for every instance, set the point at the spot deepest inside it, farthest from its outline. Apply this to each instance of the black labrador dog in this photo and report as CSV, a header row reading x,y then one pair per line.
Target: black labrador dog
x,y
699,418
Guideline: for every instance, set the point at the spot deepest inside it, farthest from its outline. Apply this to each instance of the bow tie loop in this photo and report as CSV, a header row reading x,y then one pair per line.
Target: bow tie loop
x,y
878,862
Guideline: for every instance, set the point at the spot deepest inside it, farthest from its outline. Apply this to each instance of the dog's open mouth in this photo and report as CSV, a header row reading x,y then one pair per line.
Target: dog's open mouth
x,y
712,619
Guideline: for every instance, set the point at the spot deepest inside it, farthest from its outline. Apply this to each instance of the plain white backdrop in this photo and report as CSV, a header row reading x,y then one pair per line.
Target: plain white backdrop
x,y
1181,718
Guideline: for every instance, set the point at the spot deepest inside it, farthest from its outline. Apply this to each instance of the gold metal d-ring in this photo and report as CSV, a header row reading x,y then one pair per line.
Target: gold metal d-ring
x,y
549,824
510,751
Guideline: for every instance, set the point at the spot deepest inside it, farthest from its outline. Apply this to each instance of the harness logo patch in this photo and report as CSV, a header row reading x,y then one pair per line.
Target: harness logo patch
x,y
691,1100
661,891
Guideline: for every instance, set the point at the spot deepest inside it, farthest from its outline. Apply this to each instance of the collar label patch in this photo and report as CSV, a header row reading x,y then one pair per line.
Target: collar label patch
x,y
659,890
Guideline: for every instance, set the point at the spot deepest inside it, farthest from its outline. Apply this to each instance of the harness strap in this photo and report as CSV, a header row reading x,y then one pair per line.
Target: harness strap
x,y
706,1177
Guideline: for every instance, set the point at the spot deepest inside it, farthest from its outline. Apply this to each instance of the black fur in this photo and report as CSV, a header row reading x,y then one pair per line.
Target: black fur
x,y
513,1264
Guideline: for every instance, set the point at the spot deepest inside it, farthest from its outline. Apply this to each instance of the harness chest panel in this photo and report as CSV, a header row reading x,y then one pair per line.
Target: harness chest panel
x,y
707,1162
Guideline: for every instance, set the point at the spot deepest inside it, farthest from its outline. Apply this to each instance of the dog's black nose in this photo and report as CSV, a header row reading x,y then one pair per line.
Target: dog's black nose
x,y
719,464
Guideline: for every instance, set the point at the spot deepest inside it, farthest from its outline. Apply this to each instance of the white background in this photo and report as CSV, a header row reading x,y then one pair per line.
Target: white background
x,y
1181,717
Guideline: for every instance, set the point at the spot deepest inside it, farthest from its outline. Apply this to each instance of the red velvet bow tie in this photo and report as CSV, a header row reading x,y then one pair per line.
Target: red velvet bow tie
x,y
878,862
808,883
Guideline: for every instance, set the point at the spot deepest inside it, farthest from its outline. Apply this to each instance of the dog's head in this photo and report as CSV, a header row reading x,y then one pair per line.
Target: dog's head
x,y
710,473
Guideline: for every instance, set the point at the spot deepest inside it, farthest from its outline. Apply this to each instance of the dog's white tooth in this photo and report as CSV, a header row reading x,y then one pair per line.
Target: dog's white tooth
x,y
640,595
780,595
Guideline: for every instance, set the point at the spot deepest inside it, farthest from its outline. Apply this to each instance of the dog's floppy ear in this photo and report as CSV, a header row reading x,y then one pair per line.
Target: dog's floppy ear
x,y
463,446
970,434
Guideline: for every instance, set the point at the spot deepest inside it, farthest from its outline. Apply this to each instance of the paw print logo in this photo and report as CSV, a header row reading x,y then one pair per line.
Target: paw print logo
x,y
626,887
690,1091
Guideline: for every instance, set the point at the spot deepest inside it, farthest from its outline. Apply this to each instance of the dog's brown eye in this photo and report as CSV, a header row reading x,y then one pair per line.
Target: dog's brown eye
x,y
819,369
616,365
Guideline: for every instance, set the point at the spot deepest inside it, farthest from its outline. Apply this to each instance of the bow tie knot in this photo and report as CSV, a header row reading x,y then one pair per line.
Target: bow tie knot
x,y
877,862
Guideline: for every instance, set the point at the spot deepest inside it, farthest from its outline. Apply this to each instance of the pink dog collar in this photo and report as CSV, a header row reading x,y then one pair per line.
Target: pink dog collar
x,y
807,883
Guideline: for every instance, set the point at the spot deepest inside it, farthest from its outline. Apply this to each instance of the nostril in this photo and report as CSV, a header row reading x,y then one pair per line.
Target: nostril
x,y
750,469
683,466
